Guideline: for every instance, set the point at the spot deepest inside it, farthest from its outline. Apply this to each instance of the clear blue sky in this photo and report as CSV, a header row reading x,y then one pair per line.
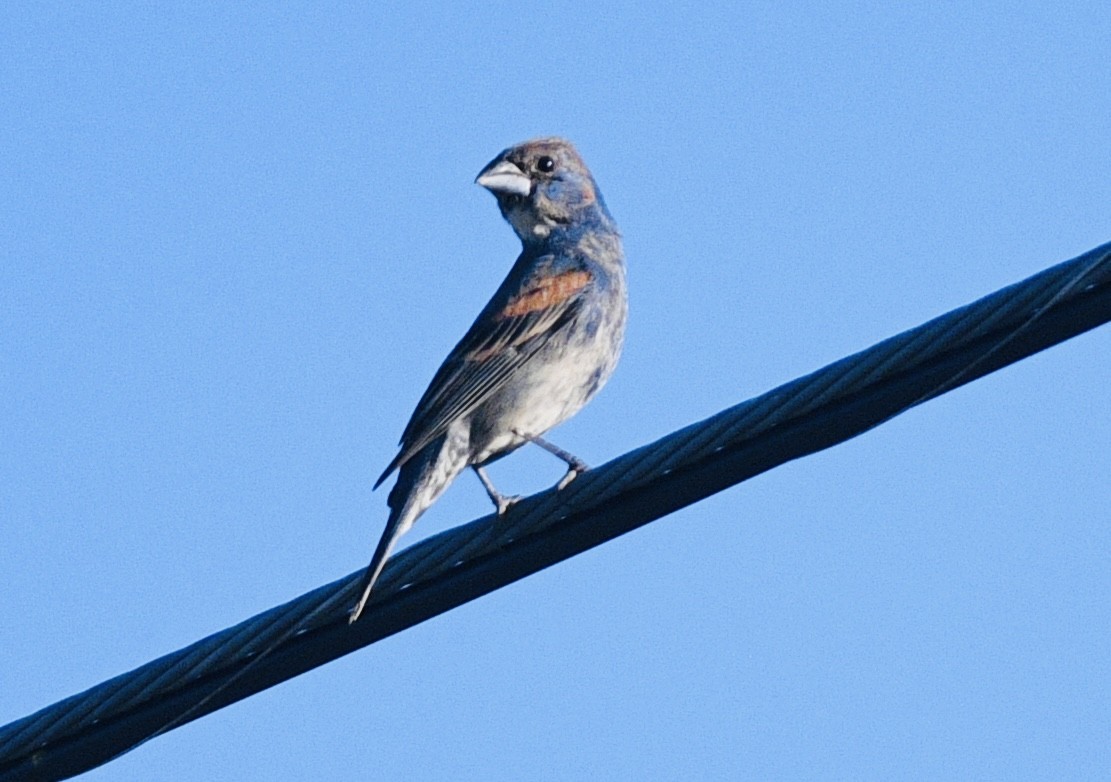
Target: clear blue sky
x,y
237,243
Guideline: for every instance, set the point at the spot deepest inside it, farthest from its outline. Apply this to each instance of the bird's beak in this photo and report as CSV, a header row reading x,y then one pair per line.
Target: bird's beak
x,y
504,178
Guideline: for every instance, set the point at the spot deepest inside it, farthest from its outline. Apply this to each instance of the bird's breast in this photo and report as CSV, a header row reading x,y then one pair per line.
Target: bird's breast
x,y
553,385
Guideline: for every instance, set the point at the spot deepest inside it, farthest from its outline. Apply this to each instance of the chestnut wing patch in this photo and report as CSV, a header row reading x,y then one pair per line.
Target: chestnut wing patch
x,y
546,293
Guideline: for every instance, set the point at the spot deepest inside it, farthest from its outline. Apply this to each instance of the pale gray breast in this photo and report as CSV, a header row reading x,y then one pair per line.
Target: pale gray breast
x,y
555,383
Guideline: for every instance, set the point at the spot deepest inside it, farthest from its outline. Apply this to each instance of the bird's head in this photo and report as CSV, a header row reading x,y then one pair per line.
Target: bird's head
x,y
543,184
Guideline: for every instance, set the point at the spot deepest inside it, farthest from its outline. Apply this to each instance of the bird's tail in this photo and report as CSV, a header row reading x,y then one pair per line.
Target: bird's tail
x,y
396,526
420,482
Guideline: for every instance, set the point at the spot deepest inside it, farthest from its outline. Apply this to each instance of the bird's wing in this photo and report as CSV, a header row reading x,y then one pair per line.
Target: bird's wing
x,y
511,328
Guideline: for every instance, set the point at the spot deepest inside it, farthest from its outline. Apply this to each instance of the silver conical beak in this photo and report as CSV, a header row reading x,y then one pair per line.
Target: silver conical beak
x,y
504,178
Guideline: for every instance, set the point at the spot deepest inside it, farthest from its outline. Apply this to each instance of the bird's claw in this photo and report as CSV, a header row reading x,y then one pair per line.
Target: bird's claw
x,y
504,503
572,473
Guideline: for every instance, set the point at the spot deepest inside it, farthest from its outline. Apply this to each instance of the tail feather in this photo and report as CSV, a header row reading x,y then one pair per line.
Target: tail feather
x,y
393,533
421,481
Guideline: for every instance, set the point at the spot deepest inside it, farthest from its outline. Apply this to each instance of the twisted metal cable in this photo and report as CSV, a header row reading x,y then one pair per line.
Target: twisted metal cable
x,y
814,412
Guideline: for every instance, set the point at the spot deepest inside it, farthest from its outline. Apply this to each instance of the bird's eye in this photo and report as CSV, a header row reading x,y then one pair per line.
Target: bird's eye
x,y
545,164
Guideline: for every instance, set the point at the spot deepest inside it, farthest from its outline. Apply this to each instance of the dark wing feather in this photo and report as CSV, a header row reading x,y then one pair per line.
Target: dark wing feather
x,y
509,331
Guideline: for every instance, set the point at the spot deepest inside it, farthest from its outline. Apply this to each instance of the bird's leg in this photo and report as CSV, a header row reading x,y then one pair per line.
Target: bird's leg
x,y
502,501
575,465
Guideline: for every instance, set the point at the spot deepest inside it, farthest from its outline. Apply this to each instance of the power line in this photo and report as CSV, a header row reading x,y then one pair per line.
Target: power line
x,y
814,412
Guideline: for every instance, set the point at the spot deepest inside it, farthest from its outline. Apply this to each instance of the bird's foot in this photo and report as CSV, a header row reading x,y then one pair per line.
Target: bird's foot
x,y
505,502
575,465
573,472
501,501
501,521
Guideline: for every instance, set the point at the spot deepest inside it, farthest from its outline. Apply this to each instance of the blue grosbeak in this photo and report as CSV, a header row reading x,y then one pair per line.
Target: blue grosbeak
x,y
541,348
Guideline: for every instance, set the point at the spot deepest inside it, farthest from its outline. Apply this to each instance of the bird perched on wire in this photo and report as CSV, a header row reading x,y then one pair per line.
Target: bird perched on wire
x,y
540,349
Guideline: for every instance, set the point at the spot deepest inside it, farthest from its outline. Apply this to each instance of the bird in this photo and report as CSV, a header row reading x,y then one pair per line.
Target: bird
x,y
541,348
